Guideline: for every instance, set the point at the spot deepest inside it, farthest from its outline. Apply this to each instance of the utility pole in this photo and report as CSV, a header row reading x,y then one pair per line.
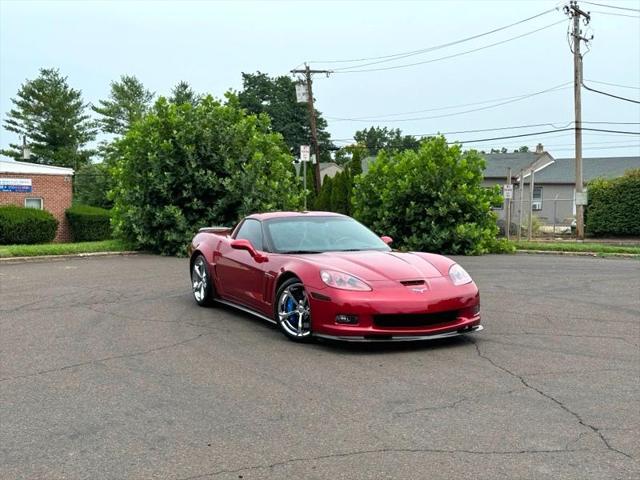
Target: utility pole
x,y
508,207
520,207
531,188
307,72
575,13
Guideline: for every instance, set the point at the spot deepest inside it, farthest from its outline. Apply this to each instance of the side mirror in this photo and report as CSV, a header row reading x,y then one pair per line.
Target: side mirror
x,y
387,240
243,244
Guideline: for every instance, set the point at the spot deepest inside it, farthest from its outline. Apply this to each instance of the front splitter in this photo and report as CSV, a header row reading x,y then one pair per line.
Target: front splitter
x,y
399,338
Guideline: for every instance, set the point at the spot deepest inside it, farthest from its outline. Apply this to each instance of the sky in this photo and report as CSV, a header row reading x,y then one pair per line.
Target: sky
x,y
209,44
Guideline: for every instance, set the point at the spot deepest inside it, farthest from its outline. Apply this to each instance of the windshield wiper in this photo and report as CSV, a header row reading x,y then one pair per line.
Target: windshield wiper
x,y
301,251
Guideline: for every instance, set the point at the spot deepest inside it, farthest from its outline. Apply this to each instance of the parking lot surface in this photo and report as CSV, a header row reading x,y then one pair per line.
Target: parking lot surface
x,y
109,370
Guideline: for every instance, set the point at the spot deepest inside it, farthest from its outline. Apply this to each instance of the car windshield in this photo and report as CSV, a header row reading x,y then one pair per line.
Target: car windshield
x,y
321,234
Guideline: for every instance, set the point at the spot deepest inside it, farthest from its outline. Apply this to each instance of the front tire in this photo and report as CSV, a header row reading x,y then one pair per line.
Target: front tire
x,y
293,312
201,282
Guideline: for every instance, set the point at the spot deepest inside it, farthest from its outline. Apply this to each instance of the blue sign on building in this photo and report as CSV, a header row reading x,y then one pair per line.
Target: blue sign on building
x,y
18,185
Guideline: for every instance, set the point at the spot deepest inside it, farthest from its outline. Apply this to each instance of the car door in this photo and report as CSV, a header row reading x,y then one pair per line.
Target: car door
x,y
241,277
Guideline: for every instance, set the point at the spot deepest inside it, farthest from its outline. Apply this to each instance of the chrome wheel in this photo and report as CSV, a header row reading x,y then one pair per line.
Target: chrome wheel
x,y
294,313
199,280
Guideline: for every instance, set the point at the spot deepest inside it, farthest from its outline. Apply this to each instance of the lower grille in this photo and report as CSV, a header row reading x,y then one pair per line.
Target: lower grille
x,y
414,320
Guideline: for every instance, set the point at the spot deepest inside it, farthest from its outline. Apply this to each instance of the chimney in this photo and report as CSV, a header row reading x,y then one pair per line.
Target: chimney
x,y
539,148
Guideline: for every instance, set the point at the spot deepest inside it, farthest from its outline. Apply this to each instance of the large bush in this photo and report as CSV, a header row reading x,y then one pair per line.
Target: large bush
x,y
614,205
20,225
430,199
183,167
89,223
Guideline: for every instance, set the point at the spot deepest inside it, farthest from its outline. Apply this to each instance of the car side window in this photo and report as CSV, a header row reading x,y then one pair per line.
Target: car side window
x,y
251,230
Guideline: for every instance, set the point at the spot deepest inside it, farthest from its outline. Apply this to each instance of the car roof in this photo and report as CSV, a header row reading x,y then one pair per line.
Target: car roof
x,y
271,215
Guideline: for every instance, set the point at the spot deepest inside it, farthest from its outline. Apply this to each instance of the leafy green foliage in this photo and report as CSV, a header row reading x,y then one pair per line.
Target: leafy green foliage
x,y
52,116
323,201
376,139
341,193
430,199
183,167
128,102
276,96
183,93
614,205
91,185
89,223
19,225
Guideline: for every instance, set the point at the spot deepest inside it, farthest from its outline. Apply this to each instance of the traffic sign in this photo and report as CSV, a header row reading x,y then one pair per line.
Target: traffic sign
x,y
507,191
305,152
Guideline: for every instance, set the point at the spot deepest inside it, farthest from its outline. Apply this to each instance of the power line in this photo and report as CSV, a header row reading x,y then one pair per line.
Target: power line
x,y
350,69
610,95
613,84
400,55
612,6
516,98
531,134
615,14
562,86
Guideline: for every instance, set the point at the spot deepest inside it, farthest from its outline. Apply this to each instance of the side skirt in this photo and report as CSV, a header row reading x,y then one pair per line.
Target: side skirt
x,y
245,309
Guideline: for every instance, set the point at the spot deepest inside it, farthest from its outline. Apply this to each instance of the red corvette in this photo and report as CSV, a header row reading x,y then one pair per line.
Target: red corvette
x,y
320,274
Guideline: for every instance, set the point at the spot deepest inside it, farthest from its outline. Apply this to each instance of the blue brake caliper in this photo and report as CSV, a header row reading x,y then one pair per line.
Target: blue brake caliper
x,y
290,305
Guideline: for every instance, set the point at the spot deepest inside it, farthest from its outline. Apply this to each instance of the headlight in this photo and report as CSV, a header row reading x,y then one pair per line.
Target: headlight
x,y
343,281
459,275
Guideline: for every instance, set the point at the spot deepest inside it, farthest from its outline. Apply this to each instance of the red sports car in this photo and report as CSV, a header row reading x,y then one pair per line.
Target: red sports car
x,y
320,274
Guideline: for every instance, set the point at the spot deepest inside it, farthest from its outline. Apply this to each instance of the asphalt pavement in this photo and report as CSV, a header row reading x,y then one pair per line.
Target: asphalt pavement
x,y
109,370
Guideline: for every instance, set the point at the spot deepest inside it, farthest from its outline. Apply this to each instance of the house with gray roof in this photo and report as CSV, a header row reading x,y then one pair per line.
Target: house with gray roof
x,y
553,182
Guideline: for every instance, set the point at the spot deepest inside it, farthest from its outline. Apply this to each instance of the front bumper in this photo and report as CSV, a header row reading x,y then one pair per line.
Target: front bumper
x,y
461,303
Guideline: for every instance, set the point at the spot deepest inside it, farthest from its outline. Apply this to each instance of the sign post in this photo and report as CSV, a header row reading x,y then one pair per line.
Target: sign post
x,y
305,152
507,194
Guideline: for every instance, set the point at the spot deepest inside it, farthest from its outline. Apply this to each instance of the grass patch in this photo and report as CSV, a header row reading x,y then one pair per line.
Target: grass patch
x,y
576,247
62,248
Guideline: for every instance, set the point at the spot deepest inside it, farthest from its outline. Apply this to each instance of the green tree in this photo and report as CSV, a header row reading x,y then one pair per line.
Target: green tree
x,y
341,193
91,184
182,168
276,96
182,93
376,139
53,117
323,201
128,102
431,199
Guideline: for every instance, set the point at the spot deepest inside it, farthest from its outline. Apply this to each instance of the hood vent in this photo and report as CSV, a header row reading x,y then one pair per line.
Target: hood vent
x,y
411,283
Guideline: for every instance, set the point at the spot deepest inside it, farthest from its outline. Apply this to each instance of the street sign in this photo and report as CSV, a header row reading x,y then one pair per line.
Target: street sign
x,y
305,152
302,94
507,191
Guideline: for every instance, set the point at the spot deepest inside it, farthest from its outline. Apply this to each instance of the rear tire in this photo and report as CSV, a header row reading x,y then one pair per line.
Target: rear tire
x,y
201,282
293,311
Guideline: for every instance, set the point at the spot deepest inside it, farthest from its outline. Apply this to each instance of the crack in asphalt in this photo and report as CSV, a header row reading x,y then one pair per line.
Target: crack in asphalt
x,y
378,450
449,405
539,334
106,359
549,397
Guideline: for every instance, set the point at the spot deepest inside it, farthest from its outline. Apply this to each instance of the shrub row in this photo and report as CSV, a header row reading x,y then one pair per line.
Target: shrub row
x,y
19,225
614,205
89,223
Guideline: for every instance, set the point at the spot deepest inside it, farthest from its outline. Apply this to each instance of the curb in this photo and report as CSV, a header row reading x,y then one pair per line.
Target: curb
x,y
45,258
578,254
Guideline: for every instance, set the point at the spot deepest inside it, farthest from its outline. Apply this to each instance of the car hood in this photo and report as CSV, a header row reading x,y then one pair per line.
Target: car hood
x,y
375,265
